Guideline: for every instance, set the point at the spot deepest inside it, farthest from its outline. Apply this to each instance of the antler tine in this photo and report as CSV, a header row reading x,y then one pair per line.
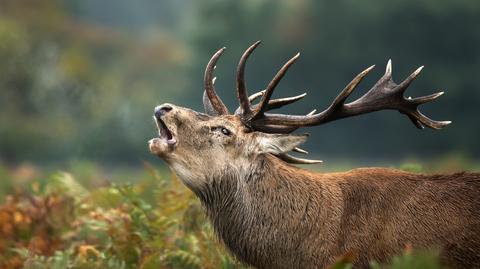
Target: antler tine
x,y
421,120
255,96
345,93
426,99
404,85
262,107
294,160
388,69
272,104
242,92
278,103
281,129
300,150
213,101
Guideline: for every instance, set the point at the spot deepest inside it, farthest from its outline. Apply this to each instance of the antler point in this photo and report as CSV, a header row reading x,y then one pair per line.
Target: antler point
x,y
300,150
388,69
419,70
254,45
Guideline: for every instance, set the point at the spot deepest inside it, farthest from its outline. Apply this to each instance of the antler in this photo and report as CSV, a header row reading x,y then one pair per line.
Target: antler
x,y
385,94
212,103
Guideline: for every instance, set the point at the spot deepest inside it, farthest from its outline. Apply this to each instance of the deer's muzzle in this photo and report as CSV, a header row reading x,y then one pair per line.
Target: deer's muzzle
x,y
166,139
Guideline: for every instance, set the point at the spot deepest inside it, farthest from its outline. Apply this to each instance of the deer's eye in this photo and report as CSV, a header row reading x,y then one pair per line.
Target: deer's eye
x,y
225,131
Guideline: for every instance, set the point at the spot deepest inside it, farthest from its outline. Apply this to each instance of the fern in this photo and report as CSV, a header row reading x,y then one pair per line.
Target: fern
x,y
155,223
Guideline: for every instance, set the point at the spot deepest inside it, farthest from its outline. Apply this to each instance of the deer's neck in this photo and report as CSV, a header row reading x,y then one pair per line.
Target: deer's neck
x,y
245,206
230,192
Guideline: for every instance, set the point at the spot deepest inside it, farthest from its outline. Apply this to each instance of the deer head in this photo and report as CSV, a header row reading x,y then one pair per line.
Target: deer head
x,y
196,144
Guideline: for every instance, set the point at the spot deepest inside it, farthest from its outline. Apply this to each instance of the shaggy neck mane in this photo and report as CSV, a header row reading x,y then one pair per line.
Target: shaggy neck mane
x,y
236,185
243,206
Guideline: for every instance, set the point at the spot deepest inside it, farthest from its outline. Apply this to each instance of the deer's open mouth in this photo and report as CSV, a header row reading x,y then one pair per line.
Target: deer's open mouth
x,y
164,133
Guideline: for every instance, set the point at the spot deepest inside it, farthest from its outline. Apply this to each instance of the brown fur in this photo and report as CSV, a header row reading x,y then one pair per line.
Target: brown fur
x,y
273,215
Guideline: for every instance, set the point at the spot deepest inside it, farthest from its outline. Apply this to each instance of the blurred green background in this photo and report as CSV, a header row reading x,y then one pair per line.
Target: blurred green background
x,y
79,79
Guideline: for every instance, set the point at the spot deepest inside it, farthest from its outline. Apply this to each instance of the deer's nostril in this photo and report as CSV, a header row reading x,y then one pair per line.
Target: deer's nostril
x,y
162,110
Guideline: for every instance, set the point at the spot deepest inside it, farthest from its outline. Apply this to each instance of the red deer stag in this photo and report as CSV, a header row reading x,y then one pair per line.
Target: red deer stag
x,y
271,214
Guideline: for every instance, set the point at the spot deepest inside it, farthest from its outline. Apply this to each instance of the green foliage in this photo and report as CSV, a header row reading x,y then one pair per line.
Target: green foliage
x,y
61,224
409,260
153,223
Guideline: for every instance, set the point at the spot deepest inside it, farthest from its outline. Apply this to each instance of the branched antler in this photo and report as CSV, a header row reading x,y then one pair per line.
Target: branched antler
x,y
385,94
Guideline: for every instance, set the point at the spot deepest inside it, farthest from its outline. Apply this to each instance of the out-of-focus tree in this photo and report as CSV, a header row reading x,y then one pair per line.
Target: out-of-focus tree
x,y
70,88
79,79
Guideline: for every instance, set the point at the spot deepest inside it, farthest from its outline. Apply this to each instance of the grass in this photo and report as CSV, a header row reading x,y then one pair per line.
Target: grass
x,y
83,220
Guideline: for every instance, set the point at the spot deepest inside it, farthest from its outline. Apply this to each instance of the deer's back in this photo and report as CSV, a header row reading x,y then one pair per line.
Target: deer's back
x,y
384,210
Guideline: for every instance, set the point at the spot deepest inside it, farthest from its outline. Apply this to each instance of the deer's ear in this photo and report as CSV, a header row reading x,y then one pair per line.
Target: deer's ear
x,y
279,143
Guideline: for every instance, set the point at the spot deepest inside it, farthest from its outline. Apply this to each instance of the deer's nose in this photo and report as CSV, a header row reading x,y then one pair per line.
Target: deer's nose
x,y
162,110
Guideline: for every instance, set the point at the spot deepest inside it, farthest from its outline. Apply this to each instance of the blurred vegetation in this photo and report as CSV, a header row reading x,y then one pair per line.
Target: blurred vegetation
x,y
79,79
58,223
91,220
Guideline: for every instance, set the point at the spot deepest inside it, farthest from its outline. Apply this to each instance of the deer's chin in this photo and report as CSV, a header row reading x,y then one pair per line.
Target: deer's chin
x,y
161,146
